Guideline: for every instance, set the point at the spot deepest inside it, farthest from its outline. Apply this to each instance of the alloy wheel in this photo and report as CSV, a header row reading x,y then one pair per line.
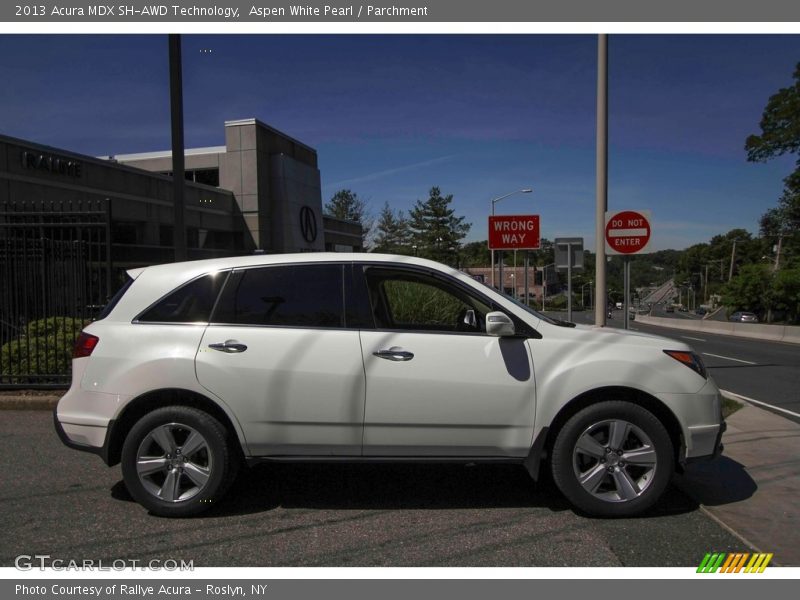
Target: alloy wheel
x,y
614,460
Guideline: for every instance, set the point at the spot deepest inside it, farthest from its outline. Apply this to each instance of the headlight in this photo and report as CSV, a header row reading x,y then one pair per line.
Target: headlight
x,y
690,359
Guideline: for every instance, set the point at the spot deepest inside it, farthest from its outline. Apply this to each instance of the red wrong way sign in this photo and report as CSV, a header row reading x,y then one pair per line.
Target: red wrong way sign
x,y
514,232
628,232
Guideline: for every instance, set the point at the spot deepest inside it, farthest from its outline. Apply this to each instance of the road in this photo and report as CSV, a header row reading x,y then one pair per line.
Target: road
x,y
69,505
763,371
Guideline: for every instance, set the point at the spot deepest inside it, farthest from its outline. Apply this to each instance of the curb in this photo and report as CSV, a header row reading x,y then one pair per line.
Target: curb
x,y
29,402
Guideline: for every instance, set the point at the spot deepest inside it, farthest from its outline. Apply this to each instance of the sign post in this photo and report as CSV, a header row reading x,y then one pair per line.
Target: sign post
x,y
568,255
513,232
627,233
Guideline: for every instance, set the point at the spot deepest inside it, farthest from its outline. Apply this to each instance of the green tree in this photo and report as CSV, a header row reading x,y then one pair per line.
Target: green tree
x,y
436,230
786,292
345,204
392,234
476,254
750,290
780,134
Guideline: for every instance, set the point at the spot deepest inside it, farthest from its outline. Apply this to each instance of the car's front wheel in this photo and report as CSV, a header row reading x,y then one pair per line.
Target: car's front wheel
x,y
613,459
177,461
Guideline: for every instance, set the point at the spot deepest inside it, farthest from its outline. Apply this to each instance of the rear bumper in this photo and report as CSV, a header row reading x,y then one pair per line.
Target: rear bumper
x,y
80,437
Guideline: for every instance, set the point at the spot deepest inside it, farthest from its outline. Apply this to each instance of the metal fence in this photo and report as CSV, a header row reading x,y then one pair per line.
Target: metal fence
x,y
55,276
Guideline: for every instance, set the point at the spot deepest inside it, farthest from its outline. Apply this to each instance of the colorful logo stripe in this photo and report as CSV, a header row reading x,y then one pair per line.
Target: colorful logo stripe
x,y
734,562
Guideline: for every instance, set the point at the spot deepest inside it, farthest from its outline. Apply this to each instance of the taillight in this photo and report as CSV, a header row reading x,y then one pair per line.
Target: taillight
x,y
84,345
690,359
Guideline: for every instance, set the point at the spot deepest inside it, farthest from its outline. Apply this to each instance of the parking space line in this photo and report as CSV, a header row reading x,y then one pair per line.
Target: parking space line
x,y
760,403
686,337
747,362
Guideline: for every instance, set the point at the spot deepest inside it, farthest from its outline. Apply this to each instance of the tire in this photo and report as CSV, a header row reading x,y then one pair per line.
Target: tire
x,y
613,459
178,461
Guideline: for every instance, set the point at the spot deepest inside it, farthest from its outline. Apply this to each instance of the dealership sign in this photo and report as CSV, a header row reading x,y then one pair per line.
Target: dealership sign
x,y
514,232
53,164
628,232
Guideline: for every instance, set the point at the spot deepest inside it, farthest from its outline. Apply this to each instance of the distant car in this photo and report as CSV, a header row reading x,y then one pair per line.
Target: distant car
x,y
743,317
683,309
700,311
670,309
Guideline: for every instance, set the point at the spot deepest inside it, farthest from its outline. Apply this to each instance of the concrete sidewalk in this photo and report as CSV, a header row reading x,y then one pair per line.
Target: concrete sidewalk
x,y
754,487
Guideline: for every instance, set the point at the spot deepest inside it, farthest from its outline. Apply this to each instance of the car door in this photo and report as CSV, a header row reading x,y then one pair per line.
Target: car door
x,y
437,384
278,351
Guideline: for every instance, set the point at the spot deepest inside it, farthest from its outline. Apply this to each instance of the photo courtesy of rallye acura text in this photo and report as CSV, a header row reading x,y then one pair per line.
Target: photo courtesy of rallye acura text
x,y
196,369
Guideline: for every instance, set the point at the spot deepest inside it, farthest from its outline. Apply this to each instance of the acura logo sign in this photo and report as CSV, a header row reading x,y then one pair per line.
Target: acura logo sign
x,y
308,224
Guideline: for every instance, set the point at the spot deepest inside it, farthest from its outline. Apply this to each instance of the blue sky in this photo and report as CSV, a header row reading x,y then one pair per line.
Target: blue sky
x,y
478,116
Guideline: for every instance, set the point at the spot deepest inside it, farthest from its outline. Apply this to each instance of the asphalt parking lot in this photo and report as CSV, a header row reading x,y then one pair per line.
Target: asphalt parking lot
x,y
71,506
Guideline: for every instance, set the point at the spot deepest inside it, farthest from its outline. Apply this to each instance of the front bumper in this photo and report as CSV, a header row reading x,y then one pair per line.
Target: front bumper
x,y
700,417
706,445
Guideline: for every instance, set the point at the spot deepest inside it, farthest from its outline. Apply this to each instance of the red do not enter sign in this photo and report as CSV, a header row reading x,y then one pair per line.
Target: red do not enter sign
x,y
628,232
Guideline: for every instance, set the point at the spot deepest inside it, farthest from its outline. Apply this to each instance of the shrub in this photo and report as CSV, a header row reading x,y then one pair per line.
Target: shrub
x,y
44,348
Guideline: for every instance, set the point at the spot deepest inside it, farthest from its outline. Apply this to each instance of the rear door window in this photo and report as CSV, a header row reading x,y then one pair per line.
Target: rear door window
x,y
285,295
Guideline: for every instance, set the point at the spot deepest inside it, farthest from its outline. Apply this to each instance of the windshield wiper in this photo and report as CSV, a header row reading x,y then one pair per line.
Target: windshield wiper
x,y
561,323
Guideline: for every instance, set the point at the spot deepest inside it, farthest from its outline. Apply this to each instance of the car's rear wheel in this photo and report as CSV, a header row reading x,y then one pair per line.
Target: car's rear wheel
x,y
178,461
613,459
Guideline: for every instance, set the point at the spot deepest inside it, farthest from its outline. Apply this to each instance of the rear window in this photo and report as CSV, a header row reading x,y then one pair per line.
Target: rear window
x,y
190,303
115,299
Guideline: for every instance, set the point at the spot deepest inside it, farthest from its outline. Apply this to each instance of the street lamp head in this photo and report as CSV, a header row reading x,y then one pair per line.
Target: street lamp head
x,y
526,191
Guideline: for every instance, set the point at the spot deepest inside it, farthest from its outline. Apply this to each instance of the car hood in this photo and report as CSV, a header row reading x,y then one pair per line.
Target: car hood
x,y
614,336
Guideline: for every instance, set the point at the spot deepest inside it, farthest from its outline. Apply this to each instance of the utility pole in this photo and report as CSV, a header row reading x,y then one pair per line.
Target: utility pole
x,y
601,184
178,166
778,254
733,258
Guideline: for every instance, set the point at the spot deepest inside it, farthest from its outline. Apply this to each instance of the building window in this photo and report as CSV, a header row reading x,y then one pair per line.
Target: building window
x,y
192,237
204,176
207,177
126,232
166,235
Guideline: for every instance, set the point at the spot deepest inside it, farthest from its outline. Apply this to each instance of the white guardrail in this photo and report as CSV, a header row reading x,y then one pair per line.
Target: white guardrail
x,y
775,333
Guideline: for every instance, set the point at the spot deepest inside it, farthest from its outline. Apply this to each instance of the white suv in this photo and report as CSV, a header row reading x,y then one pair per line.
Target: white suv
x,y
196,368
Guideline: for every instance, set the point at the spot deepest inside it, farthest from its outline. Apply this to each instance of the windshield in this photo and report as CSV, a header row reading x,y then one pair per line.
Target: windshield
x,y
530,310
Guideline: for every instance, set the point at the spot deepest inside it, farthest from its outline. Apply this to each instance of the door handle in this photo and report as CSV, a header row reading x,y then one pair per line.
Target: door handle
x,y
229,346
395,354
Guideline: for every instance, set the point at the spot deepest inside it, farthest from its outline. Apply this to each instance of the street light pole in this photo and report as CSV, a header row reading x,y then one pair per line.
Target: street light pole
x,y
495,201
601,184
544,282
583,287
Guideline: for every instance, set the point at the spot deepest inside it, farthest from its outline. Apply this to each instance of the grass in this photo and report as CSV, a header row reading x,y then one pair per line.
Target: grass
x,y
730,406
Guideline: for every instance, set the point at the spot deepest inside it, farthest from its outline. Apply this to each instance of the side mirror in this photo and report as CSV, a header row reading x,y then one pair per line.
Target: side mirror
x,y
499,324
